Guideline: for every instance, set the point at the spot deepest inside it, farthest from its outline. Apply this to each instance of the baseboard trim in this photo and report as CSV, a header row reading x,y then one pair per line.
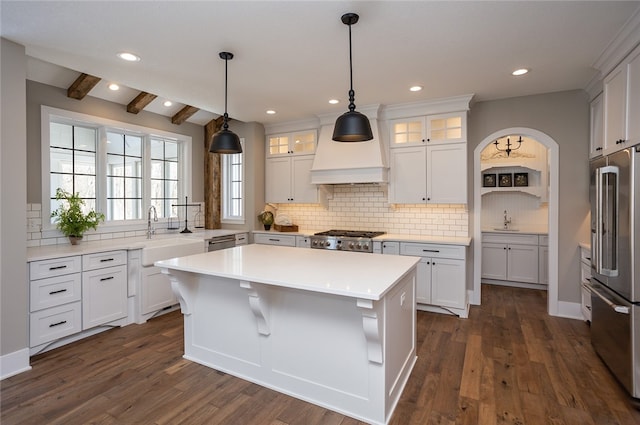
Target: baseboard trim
x,y
14,363
570,310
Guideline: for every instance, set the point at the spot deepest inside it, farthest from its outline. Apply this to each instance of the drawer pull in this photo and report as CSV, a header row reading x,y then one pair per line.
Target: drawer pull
x,y
57,267
106,278
430,250
57,324
106,259
274,240
57,292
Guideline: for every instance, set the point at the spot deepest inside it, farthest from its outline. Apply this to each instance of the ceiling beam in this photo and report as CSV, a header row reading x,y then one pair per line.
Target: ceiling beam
x,y
184,114
139,103
82,86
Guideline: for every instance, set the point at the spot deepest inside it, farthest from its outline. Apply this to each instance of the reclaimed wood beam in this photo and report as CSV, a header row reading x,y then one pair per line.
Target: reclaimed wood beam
x,y
82,86
212,177
140,101
184,114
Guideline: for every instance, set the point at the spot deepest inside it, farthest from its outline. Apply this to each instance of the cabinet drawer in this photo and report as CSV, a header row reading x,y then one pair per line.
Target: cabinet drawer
x,y
103,259
54,291
543,240
242,239
432,250
56,322
282,240
54,267
510,239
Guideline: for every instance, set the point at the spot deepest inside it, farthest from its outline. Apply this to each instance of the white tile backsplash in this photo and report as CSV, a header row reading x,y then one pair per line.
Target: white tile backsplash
x,y
365,207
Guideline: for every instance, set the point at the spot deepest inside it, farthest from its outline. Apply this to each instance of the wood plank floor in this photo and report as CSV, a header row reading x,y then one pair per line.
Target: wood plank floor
x,y
509,363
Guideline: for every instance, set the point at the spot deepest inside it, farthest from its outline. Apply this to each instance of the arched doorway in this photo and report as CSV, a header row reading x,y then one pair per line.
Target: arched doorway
x,y
553,151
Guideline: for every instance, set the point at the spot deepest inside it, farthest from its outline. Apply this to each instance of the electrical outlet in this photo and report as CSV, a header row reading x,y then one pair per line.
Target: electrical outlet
x,y
403,297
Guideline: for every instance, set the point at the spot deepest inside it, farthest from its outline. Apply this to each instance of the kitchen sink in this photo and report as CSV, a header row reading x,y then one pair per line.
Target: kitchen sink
x,y
501,229
162,249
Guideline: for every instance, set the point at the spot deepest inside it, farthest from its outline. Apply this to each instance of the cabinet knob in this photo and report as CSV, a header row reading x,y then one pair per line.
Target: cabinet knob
x,y
598,149
423,140
424,199
428,140
428,199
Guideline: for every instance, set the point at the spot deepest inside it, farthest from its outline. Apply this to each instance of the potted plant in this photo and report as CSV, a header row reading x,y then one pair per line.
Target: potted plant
x,y
266,218
70,219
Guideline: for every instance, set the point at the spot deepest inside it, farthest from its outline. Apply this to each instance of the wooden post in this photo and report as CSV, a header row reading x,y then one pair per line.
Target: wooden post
x,y
212,177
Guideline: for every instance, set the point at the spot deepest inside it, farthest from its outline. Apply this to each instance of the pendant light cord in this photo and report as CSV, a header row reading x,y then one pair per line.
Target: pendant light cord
x,y
225,125
352,94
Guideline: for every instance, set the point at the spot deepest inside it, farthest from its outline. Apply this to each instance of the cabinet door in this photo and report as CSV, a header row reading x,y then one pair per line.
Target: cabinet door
x,y
522,263
494,261
278,144
278,180
303,191
406,132
447,174
391,248
633,98
447,128
408,183
156,290
448,283
104,296
615,98
423,281
303,142
543,265
597,127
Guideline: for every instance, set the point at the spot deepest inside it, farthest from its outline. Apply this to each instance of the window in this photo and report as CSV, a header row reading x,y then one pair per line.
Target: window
x,y
233,187
119,169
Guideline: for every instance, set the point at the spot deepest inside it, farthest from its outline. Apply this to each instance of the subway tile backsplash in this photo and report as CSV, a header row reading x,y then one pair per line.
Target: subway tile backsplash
x,y
365,207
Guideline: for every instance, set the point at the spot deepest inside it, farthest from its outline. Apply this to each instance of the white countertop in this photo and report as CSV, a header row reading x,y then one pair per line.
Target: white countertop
x,y
89,247
352,274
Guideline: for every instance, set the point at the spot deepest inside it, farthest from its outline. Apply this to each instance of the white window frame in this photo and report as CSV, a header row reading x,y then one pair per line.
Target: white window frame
x,y
225,199
103,125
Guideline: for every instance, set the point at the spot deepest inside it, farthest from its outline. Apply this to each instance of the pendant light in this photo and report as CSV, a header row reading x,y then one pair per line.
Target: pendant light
x,y
352,126
225,140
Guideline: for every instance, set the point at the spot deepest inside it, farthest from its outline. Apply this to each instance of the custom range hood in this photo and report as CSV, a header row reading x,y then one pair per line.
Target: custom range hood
x,y
348,163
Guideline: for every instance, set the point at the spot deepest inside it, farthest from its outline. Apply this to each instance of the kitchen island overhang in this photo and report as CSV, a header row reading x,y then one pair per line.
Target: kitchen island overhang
x,y
336,329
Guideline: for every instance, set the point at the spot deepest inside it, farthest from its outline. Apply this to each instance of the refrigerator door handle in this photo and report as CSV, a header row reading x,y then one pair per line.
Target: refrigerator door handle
x,y
618,308
608,186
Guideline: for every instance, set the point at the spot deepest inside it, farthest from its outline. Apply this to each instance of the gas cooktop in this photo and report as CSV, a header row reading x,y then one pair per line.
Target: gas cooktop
x,y
350,233
345,240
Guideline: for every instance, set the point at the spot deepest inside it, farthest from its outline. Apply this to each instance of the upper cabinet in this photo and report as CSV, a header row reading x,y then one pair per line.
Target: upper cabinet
x,y
622,104
428,159
294,143
596,144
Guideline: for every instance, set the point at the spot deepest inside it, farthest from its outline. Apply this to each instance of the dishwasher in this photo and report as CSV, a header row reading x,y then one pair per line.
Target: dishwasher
x,y
221,242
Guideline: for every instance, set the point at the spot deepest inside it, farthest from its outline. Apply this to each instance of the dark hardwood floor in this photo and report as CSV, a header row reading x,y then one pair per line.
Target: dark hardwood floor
x,y
509,363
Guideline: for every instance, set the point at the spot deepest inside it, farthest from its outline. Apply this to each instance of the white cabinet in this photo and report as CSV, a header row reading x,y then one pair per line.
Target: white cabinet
x,y
441,277
430,129
408,131
274,239
622,104
391,248
585,277
292,143
597,127
543,260
104,288
242,239
510,257
155,291
55,299
288,180
408,175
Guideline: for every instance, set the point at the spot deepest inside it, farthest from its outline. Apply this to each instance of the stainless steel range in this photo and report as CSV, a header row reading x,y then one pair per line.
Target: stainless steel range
x,y
345,240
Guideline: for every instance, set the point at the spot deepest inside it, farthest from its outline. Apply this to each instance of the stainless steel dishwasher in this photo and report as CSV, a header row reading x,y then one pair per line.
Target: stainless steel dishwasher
x,y
221,242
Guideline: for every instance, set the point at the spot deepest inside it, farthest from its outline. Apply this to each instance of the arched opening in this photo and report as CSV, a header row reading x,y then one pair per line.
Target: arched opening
x,y
553,200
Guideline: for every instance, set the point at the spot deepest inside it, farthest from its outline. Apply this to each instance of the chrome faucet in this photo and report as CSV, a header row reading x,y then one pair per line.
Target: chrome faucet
x,y
507,222
150,229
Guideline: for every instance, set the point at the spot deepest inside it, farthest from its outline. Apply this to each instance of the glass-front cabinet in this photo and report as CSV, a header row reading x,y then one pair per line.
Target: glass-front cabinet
x,y
296,143
446,128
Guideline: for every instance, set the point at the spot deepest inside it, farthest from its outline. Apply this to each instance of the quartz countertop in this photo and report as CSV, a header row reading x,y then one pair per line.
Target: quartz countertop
x,y
90,247
351,274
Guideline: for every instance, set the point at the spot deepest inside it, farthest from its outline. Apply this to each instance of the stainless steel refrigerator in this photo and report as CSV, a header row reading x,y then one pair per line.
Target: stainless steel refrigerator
x,y
615,264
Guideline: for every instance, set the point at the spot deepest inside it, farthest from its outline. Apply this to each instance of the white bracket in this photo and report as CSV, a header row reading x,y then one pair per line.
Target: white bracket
x,y
372,330
183,286
258,307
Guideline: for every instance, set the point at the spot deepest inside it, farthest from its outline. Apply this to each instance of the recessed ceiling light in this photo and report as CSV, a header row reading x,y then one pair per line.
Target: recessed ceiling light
x,y
167,103
334,101
271,112
128,56
114,86
415,88
520,71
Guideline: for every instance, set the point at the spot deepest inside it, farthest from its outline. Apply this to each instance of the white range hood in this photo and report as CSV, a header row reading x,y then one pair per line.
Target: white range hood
x,y
349,162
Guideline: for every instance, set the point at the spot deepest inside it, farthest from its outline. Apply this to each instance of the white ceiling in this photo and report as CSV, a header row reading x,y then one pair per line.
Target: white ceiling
x,y
293,56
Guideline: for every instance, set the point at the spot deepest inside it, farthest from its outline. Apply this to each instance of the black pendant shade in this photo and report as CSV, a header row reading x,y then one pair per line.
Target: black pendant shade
x,y
352,126
225,140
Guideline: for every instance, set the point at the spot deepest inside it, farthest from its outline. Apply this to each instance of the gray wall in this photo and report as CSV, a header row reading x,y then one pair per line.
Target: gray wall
x,y
41,94
564,116
13,200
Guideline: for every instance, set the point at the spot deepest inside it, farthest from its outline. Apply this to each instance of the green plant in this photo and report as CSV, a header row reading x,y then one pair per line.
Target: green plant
x,y
69,217
266,217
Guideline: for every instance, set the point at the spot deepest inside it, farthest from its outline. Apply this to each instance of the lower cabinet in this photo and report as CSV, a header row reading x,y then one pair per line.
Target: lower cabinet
x,y
104,296
513,258
156,292
275,239
441,277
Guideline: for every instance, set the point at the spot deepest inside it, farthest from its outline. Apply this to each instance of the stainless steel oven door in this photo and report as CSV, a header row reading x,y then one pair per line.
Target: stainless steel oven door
x,y
612,335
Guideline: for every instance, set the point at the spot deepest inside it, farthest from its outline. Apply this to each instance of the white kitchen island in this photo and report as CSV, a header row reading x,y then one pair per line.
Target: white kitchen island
x,y
337,329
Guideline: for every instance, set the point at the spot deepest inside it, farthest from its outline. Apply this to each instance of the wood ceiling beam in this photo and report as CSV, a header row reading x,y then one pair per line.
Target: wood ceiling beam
x,y
140,101
82,86
184,114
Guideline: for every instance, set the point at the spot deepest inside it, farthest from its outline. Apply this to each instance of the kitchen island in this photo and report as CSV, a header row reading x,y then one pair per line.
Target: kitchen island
x,y
337,329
